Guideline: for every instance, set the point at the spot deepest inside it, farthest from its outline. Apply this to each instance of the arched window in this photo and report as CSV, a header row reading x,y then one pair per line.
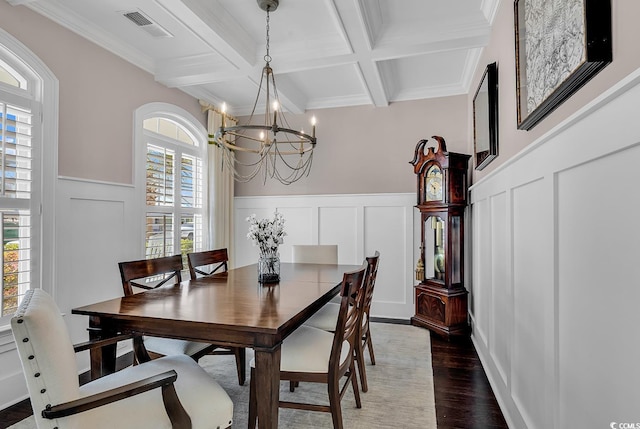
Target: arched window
x,y
28,136
172,156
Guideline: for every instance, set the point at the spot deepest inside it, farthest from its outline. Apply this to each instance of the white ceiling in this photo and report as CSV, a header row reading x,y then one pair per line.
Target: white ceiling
x,y
326,53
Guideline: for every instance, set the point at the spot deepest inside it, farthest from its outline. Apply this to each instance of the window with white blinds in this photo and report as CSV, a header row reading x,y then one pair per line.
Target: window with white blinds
x,y
160,176
174,189
16,157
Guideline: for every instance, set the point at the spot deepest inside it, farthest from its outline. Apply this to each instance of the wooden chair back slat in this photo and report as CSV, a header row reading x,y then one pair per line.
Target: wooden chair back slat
x,y
353,293
171,266
217,258
372,272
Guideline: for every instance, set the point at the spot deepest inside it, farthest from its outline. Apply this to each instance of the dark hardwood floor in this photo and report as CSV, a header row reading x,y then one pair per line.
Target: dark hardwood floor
x,y
15,413
464,399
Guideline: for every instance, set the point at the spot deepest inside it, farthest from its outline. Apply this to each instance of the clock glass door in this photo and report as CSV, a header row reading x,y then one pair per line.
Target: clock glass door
x,y
434,252
456,250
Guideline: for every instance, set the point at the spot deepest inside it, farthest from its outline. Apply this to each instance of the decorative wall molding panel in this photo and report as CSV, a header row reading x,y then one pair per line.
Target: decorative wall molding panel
x,y
555,270
358,224
96,228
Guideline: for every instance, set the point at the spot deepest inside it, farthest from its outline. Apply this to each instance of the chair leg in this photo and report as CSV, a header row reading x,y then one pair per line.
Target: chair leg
x,y
354,385
334,403
361,368
253,402
241,363
370,347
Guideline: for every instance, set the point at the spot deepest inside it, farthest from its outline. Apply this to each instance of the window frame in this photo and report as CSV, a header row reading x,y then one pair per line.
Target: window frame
x,y
42,97
144,137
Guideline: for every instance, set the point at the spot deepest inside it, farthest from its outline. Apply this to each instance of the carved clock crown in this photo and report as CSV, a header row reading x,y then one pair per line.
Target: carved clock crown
x,y
453,171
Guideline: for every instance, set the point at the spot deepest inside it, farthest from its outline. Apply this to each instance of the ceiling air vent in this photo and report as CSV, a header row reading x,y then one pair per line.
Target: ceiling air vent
x,y
145,23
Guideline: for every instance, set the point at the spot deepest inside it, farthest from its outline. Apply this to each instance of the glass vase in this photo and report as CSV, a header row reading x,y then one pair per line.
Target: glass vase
x,y
269,269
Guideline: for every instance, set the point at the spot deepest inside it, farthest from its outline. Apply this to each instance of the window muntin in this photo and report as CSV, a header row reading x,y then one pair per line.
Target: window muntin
x,y
159,235
16,258
170,129
15,151
160,176
191,178
11,77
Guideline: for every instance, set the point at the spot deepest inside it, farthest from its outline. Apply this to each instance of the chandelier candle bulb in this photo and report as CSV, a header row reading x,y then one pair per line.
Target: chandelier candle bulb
x,y
313,124
224,114
275,113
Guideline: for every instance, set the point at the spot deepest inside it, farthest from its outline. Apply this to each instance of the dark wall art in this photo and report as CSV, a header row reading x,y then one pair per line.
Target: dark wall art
x,y
560,45
485,118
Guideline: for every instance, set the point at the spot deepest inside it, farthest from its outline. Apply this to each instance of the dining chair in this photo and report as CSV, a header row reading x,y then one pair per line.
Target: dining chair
x,y
313,355
149,274
207,263
315,253
326,317
170,392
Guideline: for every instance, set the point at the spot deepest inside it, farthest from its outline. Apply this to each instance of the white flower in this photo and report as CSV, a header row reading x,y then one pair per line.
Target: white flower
x,y
267,234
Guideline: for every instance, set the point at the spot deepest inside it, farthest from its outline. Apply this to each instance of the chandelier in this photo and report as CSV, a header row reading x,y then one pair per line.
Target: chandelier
x,y
268,145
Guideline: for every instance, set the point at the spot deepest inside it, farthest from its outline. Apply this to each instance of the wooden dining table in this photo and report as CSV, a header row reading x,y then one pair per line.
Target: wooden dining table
x,y
232,308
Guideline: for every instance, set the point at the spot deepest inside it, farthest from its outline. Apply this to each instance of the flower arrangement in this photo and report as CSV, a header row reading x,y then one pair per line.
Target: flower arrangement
x,y
267,234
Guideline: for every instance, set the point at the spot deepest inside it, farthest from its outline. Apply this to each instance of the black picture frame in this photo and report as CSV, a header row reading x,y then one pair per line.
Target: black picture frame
x,y
568,52
485,118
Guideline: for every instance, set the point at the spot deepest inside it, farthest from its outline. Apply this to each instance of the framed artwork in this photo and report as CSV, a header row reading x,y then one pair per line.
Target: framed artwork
x,y
560,45
485,118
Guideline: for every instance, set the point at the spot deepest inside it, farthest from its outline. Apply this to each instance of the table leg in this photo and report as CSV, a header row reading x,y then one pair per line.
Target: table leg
x,y
103,359
267,386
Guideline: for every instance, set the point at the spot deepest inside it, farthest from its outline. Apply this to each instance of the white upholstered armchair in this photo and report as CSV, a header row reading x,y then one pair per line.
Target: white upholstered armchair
x,y
141,396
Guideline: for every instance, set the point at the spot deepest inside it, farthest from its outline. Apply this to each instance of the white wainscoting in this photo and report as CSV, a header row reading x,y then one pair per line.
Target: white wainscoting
x,y
555,288
358,224
96,227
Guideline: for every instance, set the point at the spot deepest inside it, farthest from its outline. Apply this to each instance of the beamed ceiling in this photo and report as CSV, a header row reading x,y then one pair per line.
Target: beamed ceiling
x,y
326,53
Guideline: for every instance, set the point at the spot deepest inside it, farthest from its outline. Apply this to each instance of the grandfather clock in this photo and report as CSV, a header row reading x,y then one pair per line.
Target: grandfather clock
x,y
440,297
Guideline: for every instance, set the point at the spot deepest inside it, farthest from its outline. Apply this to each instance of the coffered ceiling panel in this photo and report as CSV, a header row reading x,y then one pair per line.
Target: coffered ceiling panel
x,y
325,53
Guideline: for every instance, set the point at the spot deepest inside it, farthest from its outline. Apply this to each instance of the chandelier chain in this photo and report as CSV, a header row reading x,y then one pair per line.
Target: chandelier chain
x,y
272,148
267,57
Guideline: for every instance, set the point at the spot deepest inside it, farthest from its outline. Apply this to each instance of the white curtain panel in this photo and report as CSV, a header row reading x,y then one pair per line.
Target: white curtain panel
x,y
221,190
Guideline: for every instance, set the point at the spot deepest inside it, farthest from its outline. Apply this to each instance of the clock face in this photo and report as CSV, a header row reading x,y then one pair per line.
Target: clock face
x,y
433,183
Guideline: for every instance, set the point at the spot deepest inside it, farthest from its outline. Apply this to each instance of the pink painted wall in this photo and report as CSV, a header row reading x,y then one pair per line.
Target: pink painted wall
x,y
501,48
99,92
368,149
360,149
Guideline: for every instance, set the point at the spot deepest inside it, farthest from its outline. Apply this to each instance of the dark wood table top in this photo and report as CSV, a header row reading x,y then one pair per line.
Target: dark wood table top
x,y
229,309
225,302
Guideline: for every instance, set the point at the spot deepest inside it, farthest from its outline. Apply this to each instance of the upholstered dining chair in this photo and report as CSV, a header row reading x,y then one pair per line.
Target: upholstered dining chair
x,y
326,317
170,392
148,274
207,263
315,253
317,356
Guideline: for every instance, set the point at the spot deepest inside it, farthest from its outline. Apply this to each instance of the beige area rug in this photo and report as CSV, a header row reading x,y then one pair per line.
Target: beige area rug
x,y
400,387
